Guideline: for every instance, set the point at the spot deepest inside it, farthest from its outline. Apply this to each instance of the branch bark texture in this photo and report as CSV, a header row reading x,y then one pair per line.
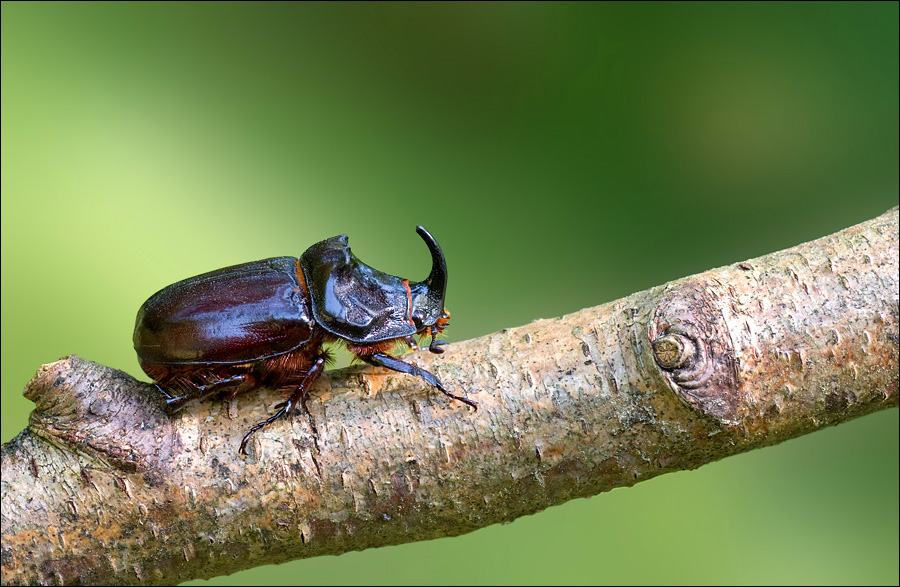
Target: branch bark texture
x,y
105,487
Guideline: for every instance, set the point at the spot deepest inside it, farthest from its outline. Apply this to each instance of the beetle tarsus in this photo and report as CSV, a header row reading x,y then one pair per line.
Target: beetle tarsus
x,y
288,406
176,403
200,392
395,364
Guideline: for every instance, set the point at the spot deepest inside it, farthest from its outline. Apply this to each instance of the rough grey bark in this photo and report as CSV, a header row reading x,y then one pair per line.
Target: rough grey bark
x,y
105,487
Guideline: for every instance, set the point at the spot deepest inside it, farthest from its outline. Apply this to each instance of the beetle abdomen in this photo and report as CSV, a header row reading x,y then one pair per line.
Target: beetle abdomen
x,y
239,314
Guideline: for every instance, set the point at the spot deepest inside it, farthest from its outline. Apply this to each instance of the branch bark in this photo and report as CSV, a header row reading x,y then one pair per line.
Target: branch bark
x,y
104,487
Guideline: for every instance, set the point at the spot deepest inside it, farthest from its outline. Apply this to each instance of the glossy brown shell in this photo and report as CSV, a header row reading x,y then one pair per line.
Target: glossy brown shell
x,y
239,314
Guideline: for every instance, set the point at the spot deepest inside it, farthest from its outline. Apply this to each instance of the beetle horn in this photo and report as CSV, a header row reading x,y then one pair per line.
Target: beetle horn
x,y
428,295
437,279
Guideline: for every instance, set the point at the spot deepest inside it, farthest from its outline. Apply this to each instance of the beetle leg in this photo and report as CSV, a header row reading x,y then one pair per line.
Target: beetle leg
x,y
174,403
289,405
201,392
395,364
436,345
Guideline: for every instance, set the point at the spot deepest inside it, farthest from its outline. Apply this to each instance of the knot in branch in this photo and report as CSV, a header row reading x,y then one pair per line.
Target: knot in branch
x,y
693,350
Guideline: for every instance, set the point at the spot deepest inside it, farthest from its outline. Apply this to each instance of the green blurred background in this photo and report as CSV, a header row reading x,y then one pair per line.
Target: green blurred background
x,y
564,155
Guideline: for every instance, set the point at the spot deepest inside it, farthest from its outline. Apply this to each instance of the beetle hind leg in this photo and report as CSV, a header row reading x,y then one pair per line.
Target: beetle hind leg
x,y
395,364
181,391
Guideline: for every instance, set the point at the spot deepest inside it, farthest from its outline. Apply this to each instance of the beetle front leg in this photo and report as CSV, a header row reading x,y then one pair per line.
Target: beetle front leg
x,y
395,364
289,405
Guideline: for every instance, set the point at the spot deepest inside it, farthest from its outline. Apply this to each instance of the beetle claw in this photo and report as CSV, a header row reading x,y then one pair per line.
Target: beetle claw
x,y
436,345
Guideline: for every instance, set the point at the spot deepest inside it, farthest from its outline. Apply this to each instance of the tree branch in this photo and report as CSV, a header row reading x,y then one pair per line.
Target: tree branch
x,y
105,487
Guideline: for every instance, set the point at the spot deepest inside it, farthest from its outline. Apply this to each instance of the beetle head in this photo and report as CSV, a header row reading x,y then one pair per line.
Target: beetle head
x,y
361,304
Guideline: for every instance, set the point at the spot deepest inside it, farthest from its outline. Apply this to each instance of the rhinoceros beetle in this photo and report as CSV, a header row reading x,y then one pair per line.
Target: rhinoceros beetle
x,y
266,323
